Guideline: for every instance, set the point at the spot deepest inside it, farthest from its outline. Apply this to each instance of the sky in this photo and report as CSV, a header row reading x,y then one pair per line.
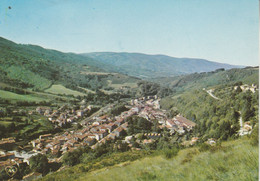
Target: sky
x,y
224,31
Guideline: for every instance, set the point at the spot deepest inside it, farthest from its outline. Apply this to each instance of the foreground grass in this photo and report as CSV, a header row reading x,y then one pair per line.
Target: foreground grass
x,y
235,160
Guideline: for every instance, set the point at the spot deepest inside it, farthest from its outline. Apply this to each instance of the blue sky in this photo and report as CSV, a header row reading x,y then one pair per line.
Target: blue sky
x,y
218,30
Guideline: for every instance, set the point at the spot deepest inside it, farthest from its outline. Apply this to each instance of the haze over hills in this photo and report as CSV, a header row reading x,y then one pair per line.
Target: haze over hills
x,y
152,66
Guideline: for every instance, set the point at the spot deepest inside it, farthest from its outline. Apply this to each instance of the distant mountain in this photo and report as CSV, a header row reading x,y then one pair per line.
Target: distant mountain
x,y
151,66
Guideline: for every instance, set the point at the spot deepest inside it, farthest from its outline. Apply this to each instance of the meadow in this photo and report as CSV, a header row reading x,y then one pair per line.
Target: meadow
x,y
20,97
60,89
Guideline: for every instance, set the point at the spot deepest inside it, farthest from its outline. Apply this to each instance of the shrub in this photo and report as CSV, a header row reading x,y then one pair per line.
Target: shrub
x,y
255,136
204,147
169,153
145,175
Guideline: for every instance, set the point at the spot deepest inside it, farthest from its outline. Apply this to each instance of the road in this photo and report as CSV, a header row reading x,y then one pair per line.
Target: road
x,y
210,93
98,113
240,121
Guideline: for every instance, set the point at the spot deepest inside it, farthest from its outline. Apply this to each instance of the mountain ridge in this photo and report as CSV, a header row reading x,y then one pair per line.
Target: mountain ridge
x,y
146,65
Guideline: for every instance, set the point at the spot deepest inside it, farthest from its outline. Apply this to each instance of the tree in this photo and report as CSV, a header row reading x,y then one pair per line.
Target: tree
x,y
255,136
39,163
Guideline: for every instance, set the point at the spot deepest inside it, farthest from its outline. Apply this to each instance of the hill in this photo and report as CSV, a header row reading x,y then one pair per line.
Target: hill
x,y
151,66
233,160
34,68
249,75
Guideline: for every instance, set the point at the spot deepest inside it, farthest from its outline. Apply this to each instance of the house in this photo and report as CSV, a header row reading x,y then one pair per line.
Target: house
x,y
35,142
96,123
82,137
119,131
171,125
56,150
71,119
194,140
103,117
7,143
125,126
103,128
145,141
92,136
89,141
211,141
40,110
181,130
32,176
117,123
128,139
94,129
110,127
45,136
9,162
184,122
247,126
80,113
112,136
6,156
100,134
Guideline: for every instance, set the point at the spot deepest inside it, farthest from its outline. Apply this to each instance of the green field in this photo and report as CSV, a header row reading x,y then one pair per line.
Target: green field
x,y
19,97
119,85
5,123
60,89
88,90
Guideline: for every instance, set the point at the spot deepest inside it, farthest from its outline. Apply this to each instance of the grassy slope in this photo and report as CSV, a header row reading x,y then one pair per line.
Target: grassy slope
x,y
236,160
19,97
239,162
60,89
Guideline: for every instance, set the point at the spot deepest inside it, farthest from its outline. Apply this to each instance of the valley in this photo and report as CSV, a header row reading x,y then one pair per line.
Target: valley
x,y
66,116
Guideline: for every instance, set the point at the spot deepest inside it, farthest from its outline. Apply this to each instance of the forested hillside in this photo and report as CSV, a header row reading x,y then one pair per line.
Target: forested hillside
x,y
182,83
218,107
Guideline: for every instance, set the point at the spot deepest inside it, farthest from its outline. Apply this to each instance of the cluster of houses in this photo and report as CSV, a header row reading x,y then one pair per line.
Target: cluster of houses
x,y
99,130
253,88
150,110
179,124
245,129
96,131
64,115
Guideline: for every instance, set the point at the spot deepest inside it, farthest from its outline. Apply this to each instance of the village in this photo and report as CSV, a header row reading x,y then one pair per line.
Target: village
x,y
103,128
94,132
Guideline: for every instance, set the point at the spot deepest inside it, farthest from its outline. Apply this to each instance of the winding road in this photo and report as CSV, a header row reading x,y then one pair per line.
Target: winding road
x,y
210,93
241,130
